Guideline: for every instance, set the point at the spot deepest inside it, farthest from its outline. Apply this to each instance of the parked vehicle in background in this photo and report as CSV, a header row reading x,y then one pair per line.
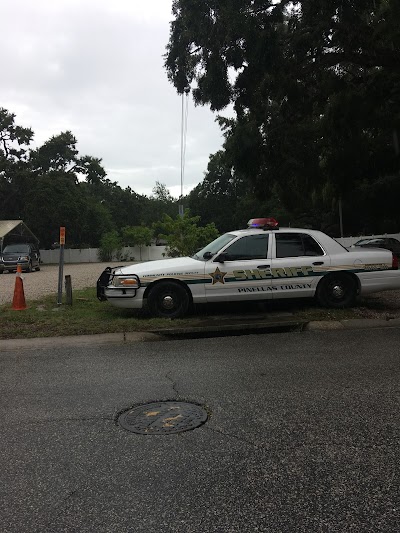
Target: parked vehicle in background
x,y
25,254
258,263
389,243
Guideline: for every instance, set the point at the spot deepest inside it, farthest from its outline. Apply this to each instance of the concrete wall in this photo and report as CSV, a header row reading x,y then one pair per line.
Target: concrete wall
x,y
90,255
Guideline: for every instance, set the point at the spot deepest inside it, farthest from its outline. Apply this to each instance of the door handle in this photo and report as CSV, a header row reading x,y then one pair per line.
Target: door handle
x,y
263,266
318,263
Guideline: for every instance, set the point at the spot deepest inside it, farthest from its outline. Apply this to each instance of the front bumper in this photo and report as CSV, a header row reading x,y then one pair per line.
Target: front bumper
x,y
12,265
105,283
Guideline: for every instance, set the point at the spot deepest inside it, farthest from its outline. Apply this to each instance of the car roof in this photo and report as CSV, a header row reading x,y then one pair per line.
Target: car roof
x,y
283,230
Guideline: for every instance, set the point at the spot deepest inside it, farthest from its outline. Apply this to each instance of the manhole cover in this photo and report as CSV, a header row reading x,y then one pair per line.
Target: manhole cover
x,y
163,418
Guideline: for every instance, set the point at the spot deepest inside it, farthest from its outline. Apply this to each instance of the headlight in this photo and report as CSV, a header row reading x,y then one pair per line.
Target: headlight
x,y
24,258
126,282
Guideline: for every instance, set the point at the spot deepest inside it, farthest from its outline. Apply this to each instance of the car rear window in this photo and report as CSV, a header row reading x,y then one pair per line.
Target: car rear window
x,y
296,245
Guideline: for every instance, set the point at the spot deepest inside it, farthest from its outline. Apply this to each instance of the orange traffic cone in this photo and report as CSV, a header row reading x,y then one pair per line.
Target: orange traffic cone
x,y
19,303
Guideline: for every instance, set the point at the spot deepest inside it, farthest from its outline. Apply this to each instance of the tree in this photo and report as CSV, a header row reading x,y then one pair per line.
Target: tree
x,y
184,236
161,193
14,168
58,154
137,236
315,86
110,244
217,197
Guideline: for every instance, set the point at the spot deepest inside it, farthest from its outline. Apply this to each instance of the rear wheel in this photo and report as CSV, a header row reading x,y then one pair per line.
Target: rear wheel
x,y
168,299
337,291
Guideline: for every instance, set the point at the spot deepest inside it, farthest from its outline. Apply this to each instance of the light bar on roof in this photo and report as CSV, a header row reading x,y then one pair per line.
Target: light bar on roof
x,y
263,223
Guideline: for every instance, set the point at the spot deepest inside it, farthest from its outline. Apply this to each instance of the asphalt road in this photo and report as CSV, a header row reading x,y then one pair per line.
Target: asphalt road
x,y
303,436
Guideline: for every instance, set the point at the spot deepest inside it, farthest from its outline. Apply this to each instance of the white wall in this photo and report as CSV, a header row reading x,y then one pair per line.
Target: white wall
x,y
149,253
90,255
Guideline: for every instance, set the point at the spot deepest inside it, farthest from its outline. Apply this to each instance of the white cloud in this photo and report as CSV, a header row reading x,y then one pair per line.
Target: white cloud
x,y
95,67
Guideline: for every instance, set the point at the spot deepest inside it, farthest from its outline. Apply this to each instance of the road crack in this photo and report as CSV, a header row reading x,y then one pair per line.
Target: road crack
x,y
174,387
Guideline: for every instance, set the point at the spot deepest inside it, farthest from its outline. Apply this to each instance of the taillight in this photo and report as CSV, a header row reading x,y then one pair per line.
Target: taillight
x,y
395,262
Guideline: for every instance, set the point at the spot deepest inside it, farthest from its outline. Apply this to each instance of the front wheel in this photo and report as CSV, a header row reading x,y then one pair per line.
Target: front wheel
x,y
168,299
337,291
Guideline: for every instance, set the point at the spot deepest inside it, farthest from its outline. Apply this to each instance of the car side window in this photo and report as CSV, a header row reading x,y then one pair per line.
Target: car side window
x,y
296,245
247,248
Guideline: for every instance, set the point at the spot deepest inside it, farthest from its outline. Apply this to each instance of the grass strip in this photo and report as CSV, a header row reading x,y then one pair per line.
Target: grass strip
x,y
44,318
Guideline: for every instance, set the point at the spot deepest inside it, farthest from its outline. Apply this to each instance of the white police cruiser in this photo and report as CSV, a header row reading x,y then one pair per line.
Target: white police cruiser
x,y
258,263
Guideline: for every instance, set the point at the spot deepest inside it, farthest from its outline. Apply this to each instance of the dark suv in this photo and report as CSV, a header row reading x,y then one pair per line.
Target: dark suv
x,y
25,254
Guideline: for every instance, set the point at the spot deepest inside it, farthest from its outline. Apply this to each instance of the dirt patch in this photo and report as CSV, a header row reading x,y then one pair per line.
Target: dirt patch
x,y
384,305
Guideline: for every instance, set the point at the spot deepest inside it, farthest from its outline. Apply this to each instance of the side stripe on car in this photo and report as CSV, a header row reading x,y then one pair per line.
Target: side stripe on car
x,y
244,275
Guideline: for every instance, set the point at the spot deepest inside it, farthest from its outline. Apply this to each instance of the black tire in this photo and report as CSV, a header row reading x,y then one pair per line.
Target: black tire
x,y
29,267
337,291
37,268
168,299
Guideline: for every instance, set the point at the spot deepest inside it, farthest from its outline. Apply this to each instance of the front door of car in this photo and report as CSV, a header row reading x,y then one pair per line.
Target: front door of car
x,y
297,265
241,272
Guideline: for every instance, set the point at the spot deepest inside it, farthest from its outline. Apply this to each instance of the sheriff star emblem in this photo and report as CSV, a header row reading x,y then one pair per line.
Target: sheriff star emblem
x,y
218,276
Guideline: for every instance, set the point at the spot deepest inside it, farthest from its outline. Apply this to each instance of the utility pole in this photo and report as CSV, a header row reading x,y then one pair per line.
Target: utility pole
x,y
183,143
340,216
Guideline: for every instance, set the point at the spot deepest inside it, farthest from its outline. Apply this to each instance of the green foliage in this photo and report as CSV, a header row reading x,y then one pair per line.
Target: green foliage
x,y
110,245
137,236
12,136
53,186
315,87
184,236
161,193
57,154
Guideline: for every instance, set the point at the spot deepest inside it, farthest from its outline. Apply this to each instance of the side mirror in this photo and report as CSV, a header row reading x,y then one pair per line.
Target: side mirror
x,y
221,258
207,255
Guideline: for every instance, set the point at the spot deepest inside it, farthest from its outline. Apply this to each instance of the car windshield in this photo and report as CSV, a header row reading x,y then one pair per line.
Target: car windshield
x,y
214,247
16,248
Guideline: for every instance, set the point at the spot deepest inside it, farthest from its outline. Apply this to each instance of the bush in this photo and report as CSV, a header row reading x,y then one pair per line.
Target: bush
x,y
110,245
184,236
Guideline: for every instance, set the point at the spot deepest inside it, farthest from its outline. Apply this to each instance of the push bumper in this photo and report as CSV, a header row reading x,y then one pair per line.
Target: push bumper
x,y
105,283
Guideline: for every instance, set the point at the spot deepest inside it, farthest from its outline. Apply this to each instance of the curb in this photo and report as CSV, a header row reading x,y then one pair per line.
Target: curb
x,y
238,328
232,328
353,323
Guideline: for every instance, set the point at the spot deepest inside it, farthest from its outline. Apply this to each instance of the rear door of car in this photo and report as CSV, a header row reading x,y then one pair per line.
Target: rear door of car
x,y
297,265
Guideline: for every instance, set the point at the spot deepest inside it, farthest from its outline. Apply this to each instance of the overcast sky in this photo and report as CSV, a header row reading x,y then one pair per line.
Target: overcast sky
x,y
95,67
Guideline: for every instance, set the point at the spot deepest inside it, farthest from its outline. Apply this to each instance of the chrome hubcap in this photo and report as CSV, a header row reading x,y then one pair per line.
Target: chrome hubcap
x,y
337,291
168,302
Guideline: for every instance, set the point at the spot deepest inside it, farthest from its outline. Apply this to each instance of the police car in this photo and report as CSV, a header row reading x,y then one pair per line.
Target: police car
x,y
258,263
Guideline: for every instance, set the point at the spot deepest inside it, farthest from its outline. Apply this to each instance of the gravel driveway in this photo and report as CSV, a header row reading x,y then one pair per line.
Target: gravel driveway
x,y
38,284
